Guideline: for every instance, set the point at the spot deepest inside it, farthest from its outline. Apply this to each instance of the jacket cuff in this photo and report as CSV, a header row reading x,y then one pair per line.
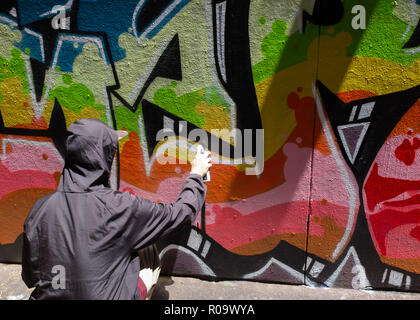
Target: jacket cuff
x,y
196,175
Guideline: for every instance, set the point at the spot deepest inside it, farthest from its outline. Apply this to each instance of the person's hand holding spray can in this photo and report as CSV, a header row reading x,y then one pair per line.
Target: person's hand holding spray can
x,y
202,163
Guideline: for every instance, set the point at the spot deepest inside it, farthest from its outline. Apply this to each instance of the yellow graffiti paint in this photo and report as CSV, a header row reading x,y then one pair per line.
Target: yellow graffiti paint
x,y
16,107
215,117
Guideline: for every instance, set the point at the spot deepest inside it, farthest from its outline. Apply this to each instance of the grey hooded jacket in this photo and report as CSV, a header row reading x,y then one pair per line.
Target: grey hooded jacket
x,y
80,242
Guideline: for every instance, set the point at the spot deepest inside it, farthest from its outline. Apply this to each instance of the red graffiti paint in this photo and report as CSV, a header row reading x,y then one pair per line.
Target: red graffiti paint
x,y
388,219
402,203
130,190
379,189
406,151
303,108
393,203
415,233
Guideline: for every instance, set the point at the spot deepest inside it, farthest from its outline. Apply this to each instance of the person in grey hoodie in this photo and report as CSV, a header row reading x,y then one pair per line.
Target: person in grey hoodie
x,y
81,241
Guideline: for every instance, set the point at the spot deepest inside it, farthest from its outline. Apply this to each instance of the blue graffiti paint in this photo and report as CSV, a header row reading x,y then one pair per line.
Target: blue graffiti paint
x,y
109,16
35,10
67,55
31,42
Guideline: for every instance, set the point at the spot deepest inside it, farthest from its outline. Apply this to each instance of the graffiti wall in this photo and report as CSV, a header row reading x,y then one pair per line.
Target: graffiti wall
x,y
311,110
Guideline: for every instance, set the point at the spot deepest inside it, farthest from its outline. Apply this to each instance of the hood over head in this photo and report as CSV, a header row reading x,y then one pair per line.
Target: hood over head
x,y
90,150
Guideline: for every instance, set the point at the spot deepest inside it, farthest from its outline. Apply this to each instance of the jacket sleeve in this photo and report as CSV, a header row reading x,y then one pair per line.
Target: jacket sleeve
x,y
29,260
149,221
30,248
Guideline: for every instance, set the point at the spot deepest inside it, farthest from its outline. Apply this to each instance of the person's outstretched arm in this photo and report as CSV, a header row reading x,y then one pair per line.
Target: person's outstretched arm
x,y
149,221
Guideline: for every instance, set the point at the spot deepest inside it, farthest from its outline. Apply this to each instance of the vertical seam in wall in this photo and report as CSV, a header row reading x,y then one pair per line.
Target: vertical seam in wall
x,y
311,164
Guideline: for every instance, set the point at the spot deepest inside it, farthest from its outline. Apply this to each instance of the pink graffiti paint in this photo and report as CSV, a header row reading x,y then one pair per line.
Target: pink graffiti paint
x,y
285,208
24,179
297,172
231,229
22,156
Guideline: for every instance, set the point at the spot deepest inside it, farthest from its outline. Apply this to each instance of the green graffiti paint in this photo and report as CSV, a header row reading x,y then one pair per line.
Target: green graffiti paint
x,y
385,45
281,51
67,79
74,97
184,106
15,67
126,119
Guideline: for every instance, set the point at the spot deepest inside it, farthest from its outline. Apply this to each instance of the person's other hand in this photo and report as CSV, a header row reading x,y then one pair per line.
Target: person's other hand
x,y
201,162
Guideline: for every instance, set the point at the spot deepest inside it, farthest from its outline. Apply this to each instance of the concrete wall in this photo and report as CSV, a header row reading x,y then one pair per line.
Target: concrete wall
x,y
335,86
